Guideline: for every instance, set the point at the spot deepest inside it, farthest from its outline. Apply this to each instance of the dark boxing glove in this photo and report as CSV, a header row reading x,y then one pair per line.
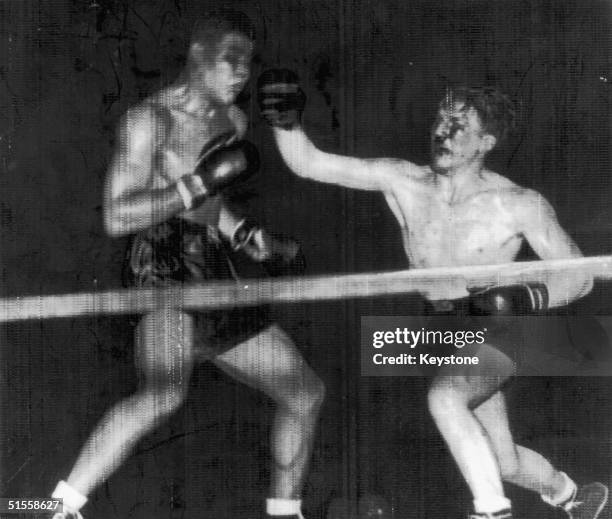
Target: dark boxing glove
x,y
281,100
527,299
287,258
281,256
219,167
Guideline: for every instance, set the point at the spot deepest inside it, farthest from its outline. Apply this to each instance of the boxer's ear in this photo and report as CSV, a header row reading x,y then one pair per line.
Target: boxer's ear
x,y
201,54
196,50
488,142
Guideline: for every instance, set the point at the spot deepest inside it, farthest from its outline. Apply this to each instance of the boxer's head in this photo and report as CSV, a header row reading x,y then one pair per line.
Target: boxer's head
x,y
220,53
470,123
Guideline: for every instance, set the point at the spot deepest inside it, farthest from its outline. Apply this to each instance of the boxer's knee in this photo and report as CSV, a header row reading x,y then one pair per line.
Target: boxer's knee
x,y
297,388
315,394
444,400
164,401
306,399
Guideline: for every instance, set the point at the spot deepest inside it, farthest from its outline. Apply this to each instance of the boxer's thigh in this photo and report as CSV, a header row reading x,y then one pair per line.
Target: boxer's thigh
x,y
165,347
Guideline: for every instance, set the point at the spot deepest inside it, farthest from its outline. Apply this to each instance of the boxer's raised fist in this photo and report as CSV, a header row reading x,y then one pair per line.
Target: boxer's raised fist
x,y
218,169
228,165
281,100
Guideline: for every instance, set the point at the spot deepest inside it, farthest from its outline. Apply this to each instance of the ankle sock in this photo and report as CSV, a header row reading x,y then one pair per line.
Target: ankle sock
x,y
70,497
490,505
279,506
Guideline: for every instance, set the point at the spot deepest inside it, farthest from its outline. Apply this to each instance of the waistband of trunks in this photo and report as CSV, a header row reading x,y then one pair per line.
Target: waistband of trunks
x,y
180,227
448,306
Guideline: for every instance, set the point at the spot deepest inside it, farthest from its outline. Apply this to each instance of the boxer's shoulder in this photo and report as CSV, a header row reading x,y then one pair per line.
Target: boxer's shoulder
x,y
528,202
401,169
497,181
504,189
152,112
423,174
398,174
518,199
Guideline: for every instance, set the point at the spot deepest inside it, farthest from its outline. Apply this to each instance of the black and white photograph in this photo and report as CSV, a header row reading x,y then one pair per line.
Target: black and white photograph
x,y
305,259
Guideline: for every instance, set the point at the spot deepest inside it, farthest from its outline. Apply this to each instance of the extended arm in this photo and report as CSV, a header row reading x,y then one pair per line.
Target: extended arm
x,y
281,101
550,241
306,160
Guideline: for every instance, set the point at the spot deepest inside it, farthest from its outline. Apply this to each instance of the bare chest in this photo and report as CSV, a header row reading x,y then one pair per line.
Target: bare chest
x,y
477,230
181,144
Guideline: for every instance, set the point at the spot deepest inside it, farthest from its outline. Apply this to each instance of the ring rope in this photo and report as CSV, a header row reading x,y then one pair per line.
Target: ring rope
x,y
249,292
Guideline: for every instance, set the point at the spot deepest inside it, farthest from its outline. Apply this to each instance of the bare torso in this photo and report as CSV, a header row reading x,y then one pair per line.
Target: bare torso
x,y
459,214
439,230
180,142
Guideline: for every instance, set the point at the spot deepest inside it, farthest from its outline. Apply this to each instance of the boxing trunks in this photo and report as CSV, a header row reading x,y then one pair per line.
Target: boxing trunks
x,y
505,334
179,252
547,344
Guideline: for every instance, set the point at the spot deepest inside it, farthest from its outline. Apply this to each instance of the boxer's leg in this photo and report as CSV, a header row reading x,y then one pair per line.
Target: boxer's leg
x,y
271,363
519,465
452,397
164,360
528,469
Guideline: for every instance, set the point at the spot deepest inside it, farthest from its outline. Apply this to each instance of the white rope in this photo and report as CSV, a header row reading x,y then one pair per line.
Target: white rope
x,y
225,294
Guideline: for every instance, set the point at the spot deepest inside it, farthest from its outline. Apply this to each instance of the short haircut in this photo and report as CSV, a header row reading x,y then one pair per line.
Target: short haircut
x,y
496,111
215,24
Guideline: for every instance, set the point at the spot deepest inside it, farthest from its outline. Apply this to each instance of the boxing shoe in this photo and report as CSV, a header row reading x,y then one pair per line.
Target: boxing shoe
x,y
587,502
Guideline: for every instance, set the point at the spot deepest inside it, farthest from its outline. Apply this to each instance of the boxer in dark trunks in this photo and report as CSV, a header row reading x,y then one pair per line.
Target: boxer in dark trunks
x,y
455,212
177,152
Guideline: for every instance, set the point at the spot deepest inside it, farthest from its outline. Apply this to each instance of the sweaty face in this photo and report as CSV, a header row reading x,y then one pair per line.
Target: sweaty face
x,y
226,75
457,137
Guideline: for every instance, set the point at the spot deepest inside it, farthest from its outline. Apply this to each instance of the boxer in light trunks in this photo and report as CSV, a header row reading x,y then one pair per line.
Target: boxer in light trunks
x,y
456,212
177,152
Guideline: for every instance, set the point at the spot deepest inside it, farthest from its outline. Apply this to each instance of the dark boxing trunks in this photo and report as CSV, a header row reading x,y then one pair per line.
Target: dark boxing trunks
x,y
550,344
505,334
178,251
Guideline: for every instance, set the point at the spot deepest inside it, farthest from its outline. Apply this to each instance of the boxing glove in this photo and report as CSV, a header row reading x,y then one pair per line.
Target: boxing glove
x,y
523,299
281,100
280,256
217,169
287,258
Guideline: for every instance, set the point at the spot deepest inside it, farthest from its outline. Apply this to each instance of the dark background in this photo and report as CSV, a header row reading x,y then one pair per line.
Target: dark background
x,y
373,73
